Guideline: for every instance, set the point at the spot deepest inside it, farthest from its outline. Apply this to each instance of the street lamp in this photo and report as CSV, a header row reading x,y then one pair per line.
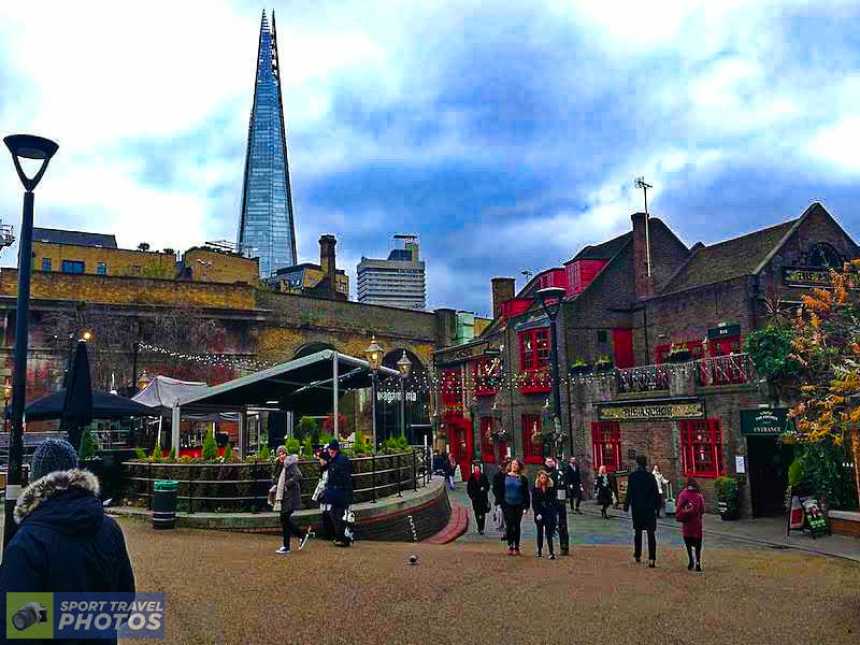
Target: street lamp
x,y
22,146
404,366
373,353
550,300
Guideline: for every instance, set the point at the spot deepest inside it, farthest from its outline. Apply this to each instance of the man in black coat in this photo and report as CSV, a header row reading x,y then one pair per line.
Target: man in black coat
x,y
338,490
573,477
644,499
498,487
559,493
64,542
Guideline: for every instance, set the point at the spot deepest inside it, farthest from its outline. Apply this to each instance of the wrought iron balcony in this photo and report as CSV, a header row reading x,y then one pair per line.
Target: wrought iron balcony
x,y
643,379
725,370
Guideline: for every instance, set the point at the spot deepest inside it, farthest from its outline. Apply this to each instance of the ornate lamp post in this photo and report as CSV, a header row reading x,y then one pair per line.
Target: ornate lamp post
x,y
373,353
404,366
550,300
22,146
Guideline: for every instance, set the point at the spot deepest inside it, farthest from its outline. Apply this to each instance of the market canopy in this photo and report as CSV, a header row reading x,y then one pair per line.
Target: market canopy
x,y
105,406
163,392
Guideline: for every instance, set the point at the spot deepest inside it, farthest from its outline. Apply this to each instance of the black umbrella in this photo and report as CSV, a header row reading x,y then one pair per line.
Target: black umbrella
x,y
78,404
105,406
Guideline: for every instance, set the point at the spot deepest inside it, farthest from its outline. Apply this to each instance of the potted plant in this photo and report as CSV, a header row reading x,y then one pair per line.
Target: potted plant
x,y
603,363
678,353
728,494
580,366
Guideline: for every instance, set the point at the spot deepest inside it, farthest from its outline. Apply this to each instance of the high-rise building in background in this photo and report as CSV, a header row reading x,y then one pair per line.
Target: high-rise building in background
x,y
266,227
398,281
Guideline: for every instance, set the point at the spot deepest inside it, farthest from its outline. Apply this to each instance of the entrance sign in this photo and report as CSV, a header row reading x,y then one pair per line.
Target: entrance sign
x,y
724,331
763,422
656,409
810,277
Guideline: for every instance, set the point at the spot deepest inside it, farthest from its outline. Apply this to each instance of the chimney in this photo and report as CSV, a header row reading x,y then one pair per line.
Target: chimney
x,y
642,260
328,262
502,290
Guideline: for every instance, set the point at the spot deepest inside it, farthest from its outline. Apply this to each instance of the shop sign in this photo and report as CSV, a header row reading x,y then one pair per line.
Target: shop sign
x,y
763,422
657,409
724,331
800,277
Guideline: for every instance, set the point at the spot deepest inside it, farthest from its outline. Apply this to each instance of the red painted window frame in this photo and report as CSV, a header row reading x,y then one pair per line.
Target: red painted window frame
x,y
606,441
480,379
452,390
532,453
534,363
700,438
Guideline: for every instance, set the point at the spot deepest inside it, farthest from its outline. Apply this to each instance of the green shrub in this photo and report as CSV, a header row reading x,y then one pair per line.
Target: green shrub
x,y
795,472
307,427
171,457
210,446
139,453
770,351
88,448
307,447
727,492
823,467
155,457
325,439
293,446
228,452
394,445
263,452
360,446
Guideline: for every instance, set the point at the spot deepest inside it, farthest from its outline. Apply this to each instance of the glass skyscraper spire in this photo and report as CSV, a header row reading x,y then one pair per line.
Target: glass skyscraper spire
x,y
266,228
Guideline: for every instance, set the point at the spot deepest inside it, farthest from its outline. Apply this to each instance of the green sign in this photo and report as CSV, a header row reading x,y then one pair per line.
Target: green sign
x,y
724,331
763,422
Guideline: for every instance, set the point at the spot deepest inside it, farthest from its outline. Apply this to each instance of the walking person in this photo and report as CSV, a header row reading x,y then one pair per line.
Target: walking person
x,y
338,491
573,478
288,498
450,470
319,494
64,542
545,507
559,494
478,489
644,500
690,508
516,497
499,496
661,481
603,490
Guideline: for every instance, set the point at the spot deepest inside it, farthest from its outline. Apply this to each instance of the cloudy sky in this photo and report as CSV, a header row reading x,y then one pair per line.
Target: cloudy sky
x,y
506,134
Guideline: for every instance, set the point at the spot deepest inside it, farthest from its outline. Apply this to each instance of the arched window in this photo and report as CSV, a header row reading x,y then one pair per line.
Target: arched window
x,y
823,255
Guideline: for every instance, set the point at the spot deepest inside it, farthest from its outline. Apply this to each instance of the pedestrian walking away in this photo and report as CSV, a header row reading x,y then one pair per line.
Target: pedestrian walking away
x,y
644,501
661,481
478,488
573,478
516,488
338,491
559,503
450,470
545,507
318,495
689,510
603,491
64,542
288,498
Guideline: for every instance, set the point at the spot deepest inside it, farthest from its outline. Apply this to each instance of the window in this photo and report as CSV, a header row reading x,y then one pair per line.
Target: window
x,y
46,264
701,448
488,453
606,445
534,361
73,266
452,391
484,377
101,268
532,443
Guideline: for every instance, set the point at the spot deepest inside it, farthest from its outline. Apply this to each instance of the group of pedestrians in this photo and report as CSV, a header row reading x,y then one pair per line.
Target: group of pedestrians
x,y
333,494
547,497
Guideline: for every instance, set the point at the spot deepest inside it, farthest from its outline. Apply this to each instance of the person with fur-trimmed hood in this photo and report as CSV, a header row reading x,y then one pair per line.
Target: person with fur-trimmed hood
x,y
64,541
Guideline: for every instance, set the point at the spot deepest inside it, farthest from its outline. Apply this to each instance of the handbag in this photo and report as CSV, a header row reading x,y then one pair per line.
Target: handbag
x,y
271,496
498,519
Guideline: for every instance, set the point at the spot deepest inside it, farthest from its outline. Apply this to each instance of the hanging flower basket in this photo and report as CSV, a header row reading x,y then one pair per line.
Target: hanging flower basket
x,y
579,368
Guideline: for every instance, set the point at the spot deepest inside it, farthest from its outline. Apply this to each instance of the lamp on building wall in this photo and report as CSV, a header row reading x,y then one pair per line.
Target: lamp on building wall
x,y
23,147
373,353
404,366
550,300
143,381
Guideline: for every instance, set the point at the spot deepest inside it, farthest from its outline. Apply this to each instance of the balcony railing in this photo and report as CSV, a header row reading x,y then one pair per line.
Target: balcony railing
x,y
724,370
716,370
643,379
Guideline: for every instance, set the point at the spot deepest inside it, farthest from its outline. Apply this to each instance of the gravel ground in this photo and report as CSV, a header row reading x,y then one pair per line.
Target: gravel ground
x,y
232,588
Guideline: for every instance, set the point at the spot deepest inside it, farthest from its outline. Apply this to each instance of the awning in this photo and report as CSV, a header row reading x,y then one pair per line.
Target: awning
x,y
105,406
163,392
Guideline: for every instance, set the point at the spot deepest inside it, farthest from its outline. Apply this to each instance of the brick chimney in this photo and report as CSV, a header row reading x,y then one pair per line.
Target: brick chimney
x,y
643,283
502,290
328,262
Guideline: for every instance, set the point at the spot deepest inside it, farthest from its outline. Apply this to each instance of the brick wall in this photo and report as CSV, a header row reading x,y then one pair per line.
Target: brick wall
x,y
207,265
118,262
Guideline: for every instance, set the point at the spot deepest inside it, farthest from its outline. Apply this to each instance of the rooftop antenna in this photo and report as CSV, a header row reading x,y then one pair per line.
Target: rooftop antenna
x,y
528,274
639,182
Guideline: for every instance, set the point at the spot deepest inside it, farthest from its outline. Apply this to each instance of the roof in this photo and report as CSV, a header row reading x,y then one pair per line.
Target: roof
x,y
733,258
79,238
604,251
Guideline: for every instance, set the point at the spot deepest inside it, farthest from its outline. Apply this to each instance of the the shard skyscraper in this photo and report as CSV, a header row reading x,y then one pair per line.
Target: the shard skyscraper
x,y
266,227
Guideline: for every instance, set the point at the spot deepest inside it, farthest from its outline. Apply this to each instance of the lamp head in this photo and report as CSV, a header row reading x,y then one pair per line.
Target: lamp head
x,y
373,353
550,299
28,146
404,365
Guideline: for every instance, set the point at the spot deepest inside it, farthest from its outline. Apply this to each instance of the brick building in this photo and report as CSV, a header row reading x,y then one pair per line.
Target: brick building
x,y
650,347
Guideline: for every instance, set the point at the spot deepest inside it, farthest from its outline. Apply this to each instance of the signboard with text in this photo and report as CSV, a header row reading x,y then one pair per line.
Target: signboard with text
x,y
655,409
763,422
801,277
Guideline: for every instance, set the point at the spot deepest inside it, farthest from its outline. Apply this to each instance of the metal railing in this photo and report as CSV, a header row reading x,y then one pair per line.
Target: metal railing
x,y
725,370
643,379
716,370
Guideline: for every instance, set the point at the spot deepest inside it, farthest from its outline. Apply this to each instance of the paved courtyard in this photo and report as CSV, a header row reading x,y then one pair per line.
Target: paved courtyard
x,y
232,588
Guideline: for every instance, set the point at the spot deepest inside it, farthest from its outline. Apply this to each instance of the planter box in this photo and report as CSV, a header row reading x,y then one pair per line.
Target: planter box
x,y
845,523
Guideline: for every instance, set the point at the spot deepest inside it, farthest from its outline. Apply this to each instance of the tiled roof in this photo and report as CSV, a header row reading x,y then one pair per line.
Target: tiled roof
x,y
604,251
79,238
726,260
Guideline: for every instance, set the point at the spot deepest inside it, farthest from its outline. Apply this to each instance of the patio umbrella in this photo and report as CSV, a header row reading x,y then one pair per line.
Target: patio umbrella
x,y
78,404
105,406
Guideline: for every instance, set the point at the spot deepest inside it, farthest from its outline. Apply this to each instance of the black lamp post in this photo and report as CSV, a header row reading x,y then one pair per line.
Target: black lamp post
x,y
22,146
404,366
373,353
550,300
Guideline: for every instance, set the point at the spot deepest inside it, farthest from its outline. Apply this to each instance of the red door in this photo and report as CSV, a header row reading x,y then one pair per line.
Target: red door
x,y
460,441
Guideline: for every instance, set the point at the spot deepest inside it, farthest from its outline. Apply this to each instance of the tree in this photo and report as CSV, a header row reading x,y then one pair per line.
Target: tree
x,y
826,348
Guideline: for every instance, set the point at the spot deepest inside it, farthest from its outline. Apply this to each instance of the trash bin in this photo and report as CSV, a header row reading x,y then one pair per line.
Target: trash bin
x,y
164,504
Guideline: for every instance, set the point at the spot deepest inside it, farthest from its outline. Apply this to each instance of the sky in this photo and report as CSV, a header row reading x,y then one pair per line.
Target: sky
x,y
505,134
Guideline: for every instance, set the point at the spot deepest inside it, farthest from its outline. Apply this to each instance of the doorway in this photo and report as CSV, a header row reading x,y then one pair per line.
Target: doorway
x,y
768,461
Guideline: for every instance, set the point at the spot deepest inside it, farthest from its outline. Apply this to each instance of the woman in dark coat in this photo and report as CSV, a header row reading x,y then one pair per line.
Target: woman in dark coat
x,y
478,488
545,511
603,490
517,501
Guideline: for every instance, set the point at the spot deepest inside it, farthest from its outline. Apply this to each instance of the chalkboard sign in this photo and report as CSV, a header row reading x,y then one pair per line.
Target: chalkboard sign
x,y
621,485
804,512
